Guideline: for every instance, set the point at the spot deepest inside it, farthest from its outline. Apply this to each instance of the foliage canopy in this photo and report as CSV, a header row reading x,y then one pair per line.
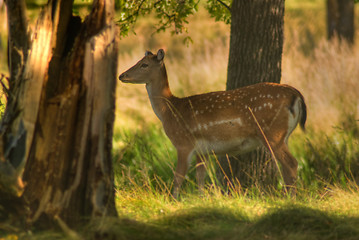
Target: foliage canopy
x,y
170,13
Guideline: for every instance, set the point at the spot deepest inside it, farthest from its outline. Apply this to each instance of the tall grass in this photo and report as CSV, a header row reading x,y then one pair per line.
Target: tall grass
x,y
328,80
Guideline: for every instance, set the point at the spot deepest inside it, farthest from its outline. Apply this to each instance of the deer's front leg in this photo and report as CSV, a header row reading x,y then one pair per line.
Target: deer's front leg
x,y
183,160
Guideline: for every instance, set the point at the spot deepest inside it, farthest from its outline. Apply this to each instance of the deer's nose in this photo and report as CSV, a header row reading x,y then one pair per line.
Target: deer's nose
x,y
122,76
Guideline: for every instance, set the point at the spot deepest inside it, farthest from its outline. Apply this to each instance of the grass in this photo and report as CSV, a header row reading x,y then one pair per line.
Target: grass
x,y
146,214
147,159
214,216
327,203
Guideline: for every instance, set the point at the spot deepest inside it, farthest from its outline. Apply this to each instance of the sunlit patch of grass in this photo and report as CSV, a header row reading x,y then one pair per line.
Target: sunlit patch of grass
x,y
211,215
224,217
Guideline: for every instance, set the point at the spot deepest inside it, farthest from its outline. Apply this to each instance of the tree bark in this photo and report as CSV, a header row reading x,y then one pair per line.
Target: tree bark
x,y
18,40
66,102
255,56
256,42
340,19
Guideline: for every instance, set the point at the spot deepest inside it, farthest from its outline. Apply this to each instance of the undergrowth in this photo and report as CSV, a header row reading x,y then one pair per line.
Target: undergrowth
x,y
146,157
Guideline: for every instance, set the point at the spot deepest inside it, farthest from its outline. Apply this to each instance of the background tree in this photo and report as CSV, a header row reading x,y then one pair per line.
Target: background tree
x,y
255,55
340,19
57,127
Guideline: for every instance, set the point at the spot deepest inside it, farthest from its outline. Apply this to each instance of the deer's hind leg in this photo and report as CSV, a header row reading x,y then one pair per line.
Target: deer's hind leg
x,y
200,172
289,166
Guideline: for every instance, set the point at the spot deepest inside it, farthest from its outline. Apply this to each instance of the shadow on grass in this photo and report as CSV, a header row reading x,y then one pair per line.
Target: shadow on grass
x,y
290,222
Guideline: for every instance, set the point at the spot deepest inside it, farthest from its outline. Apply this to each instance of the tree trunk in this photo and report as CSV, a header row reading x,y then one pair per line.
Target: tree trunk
x,y
255,56
65,102
340,19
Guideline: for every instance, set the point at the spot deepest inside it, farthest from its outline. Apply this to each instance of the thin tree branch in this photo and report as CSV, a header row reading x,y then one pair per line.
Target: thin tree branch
x,y
4,87
224,5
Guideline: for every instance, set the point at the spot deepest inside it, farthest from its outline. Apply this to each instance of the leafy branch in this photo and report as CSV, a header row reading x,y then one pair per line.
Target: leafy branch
x,y
171,13
225,5
220,10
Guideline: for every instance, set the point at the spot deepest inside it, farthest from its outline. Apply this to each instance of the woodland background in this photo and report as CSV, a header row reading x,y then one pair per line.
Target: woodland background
x,y
327,74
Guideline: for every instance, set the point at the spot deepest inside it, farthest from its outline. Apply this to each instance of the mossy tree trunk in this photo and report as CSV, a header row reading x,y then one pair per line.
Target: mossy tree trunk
x,y
255,56
57,128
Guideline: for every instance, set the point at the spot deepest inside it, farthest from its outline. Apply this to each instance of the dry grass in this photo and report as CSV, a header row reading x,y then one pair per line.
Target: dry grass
x,y
328,79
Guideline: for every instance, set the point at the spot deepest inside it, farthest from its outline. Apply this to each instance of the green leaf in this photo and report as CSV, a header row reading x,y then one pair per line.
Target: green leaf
x,y
220,10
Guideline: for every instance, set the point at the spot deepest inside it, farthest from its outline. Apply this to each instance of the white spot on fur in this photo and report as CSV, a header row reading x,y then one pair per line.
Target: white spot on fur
x,y
226,121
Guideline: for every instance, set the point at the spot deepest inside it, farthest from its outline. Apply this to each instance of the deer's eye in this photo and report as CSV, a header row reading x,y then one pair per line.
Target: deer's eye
x,y
144,65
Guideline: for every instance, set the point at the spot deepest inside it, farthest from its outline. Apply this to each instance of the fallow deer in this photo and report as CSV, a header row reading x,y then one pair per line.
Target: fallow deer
x,y
223,122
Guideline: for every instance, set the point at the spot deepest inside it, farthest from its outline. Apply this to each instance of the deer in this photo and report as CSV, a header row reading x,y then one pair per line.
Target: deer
x,y
222,122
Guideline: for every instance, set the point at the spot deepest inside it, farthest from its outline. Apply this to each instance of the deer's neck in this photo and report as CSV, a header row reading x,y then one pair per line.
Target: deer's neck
x,y
160,94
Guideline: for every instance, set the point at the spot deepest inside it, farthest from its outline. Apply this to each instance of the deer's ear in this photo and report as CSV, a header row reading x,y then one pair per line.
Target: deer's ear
x,y
160,54
148,53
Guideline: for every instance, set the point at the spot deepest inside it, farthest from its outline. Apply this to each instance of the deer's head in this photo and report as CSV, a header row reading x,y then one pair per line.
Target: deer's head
x,y
146,70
